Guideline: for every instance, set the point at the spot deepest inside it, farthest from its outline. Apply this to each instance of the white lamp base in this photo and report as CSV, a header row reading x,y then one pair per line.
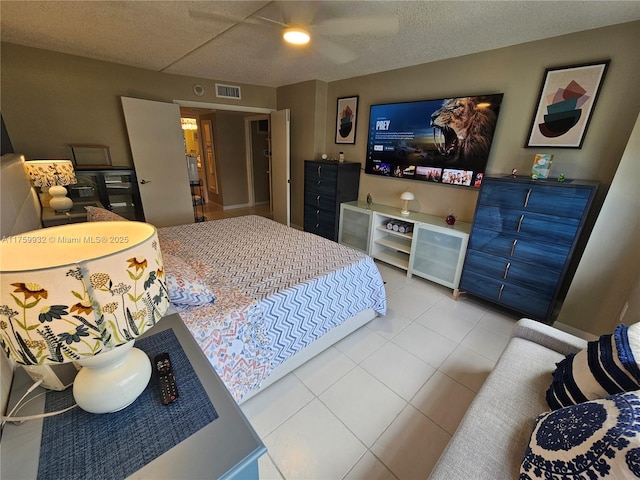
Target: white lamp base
x,y
59,200
112,380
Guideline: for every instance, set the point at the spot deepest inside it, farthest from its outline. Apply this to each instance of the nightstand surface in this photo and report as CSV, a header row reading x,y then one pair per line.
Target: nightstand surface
x,y
226,448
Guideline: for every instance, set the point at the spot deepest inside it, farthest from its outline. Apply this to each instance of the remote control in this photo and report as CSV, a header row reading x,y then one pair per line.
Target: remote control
x,y
166,380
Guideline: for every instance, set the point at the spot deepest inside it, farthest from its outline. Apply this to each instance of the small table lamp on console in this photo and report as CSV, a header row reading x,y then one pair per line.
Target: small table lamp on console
x,y
82,293
53,175
406,197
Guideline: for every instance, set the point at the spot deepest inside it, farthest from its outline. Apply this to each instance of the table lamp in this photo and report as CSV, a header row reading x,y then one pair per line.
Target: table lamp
x,y
53,175
406,197
82,293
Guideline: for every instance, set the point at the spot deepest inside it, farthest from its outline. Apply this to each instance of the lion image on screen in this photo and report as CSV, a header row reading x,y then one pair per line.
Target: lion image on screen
x,y
465,126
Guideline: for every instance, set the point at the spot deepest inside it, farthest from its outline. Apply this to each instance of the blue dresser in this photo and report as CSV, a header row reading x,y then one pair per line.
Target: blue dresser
x,y
523,239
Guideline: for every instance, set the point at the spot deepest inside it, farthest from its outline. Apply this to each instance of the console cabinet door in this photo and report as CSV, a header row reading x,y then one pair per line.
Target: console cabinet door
x,y
523,242
437,254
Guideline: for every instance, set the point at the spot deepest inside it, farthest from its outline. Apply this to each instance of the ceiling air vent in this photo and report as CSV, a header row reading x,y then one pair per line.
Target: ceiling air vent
x,y
227,91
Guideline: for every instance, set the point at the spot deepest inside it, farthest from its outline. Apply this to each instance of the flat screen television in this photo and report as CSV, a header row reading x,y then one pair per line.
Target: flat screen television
x,y
443,141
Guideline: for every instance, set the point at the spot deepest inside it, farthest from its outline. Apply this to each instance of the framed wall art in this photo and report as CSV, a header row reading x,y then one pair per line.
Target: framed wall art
x,y
567,98
89,157
346,120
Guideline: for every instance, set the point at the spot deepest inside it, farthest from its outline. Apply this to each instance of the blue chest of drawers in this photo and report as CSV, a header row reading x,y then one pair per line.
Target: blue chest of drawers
x,y
523,239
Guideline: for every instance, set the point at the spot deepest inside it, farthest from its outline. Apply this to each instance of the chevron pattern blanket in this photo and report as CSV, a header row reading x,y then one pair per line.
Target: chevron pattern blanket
x,y
277,290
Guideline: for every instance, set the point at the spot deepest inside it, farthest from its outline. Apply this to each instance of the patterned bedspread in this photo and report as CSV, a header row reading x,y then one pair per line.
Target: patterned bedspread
x,y
277,290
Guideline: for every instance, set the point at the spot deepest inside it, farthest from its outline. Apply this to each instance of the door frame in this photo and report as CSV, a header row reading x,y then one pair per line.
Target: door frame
x,y
233,108
249,154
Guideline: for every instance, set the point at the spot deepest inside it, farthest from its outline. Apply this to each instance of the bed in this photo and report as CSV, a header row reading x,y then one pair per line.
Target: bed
x,y
260,298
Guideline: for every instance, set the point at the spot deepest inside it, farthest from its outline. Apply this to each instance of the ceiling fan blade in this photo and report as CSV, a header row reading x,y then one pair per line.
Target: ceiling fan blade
x,y
375,25
334,52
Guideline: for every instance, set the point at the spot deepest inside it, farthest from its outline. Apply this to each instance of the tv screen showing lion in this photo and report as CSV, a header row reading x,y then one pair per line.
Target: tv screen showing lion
x,y
440,136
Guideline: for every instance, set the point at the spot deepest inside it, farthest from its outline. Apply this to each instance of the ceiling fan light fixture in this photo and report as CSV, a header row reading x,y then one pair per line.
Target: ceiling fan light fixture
x,y
295,35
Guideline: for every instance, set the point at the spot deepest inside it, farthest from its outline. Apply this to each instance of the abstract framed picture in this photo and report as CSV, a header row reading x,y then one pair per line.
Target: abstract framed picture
x,y
567,98
346,120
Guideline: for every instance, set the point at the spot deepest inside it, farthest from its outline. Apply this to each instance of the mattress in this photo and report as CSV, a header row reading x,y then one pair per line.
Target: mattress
x,y
277,290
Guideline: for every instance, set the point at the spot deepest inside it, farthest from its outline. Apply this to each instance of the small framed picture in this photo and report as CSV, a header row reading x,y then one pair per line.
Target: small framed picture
x,y
347,116
89,157
566,101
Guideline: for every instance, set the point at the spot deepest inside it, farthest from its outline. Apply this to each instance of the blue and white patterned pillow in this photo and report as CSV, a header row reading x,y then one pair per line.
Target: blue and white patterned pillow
x,y
607,366
590,440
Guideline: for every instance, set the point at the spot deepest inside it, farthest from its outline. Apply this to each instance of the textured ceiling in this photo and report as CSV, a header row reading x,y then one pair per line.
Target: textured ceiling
x,y
206,39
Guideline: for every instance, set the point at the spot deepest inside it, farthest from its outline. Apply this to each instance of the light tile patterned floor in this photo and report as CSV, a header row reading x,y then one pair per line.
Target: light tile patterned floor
x,y
383,402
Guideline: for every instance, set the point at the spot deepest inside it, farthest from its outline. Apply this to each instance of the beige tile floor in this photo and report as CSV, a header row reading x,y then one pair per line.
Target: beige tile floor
x,y
383,402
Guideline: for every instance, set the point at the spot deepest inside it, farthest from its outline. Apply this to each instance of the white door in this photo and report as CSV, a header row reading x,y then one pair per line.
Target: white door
x,y
280,169
157,146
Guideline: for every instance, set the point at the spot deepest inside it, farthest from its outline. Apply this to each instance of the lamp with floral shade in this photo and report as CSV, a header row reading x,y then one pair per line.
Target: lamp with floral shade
x,y
82,293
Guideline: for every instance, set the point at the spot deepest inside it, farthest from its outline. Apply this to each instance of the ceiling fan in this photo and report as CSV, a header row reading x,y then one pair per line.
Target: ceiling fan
x,y
297,22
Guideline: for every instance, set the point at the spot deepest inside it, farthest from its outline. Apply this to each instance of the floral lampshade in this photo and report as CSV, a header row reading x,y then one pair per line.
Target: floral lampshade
x,y
52,176
79,291
47,173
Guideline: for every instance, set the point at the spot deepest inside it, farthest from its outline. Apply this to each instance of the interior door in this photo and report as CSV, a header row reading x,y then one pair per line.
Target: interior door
x,y
280,167
157,146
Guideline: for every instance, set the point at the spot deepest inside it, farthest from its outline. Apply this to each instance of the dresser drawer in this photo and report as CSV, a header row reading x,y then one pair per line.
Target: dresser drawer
x,y
316,218
523,224
321,171
529,302
532,277
320,186
319,200
564,201
547,255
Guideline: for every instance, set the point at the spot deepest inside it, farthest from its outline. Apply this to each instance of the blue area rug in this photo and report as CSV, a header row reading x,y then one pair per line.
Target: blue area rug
x,y
81,445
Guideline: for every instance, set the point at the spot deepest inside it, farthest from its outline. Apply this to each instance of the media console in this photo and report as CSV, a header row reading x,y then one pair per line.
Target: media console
x,y
431,249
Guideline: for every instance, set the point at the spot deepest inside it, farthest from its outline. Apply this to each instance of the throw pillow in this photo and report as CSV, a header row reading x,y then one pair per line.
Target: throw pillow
x,y
97,214
591,440
608,365
184,284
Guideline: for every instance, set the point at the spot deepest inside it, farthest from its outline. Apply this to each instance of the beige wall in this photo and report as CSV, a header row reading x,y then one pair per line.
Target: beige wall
x,y
230,143
609,271
307,102
50,100
517,72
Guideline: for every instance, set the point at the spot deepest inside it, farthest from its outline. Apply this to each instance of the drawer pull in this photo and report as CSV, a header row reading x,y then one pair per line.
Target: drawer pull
x,y
320,171
513,246
506,270
500,292
520,222
318,200
526,200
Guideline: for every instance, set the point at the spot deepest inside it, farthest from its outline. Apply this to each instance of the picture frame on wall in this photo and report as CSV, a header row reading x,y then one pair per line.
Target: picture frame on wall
x,y
88,157
565,104
347,116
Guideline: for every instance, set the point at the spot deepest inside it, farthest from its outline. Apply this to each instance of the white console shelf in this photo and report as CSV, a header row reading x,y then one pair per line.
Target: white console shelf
x,y
432,250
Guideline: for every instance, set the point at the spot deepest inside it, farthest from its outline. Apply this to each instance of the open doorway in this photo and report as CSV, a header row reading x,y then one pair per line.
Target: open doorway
x,y
232,159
